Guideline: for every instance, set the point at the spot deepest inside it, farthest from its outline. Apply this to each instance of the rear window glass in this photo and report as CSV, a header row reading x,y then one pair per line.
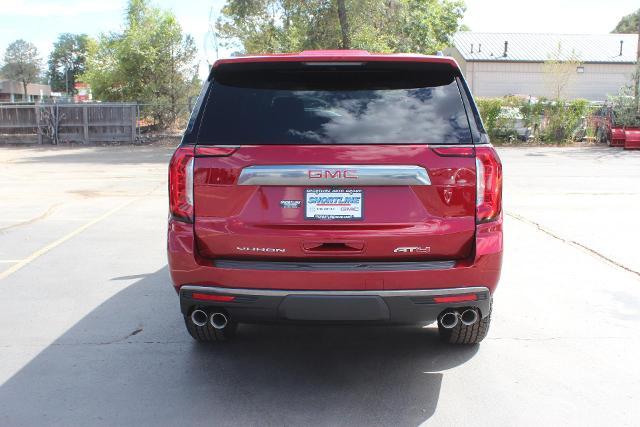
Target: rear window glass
x,y
354,104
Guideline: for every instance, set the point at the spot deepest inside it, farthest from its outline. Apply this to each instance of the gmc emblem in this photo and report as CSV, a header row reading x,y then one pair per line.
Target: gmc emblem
x,y
333,174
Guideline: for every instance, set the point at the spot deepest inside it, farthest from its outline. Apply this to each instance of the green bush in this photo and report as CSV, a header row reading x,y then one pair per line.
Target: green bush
x,y
533,113
549,121
500,116
562,119
625,112
490,111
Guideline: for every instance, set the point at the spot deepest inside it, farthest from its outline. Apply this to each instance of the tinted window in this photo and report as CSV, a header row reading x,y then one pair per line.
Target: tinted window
x,y
335,106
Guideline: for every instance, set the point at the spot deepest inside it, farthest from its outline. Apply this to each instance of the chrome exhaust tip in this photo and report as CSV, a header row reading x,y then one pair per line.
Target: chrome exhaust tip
x,y
199,317
469,316
218,320
449,320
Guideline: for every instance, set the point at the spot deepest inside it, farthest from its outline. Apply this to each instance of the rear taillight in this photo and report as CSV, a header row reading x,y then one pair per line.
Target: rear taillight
x,y
181,184
488,184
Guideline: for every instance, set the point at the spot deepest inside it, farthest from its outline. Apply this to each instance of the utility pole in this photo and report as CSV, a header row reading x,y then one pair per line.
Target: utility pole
x,y
213,30
637,87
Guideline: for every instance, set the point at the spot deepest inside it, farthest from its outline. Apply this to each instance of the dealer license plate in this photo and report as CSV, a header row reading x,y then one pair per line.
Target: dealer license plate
x,y
333,204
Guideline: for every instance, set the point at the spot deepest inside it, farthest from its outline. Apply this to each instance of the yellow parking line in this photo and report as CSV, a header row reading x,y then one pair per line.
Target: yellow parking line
x,y
21,263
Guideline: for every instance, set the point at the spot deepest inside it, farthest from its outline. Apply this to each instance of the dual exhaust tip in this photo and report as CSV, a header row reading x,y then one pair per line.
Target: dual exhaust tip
x,y
216,319
467,317
448,320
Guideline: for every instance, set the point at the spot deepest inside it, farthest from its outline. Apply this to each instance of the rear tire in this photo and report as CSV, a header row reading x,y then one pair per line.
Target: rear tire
x,y
208,333
463,334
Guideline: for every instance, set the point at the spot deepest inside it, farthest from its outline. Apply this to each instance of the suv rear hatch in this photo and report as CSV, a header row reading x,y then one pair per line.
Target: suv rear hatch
x,y
334,161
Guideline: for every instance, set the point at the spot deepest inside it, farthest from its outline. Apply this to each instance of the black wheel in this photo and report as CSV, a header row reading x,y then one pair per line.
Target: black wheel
x,y
463,334
208,333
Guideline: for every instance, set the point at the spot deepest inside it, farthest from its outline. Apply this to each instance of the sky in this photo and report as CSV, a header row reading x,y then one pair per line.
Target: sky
x,y
40,21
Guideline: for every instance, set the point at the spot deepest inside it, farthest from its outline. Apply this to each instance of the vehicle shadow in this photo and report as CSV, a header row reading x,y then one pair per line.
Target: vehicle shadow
x,y
130,361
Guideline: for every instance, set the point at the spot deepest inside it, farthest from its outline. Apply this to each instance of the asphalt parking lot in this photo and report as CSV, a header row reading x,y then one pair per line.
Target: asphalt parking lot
x,y
91,333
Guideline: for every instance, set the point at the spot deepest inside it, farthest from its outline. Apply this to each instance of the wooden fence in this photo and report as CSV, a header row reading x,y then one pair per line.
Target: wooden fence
x,y
59,123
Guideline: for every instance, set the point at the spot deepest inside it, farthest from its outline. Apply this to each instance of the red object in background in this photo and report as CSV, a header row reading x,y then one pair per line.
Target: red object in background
x,y
632,139
83,92
614,135
617,136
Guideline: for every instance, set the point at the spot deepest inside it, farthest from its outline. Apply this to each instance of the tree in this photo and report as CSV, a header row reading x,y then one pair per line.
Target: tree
x,y
279,25
22,63
560,70
426,26
151,61
344,25
67,61
264,26
628,24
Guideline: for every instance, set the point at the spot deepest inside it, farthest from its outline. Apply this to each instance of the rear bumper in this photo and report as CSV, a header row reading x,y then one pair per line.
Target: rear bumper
x,y
268,305
481,270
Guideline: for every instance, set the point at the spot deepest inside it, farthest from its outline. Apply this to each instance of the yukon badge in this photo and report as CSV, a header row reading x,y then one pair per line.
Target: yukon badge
x,y
252,249
413,250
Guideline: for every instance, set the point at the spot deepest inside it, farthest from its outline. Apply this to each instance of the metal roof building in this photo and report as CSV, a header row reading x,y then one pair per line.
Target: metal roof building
x,y
499,64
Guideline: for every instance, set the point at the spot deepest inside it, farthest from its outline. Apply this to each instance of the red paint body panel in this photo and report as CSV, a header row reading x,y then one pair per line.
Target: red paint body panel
x,y
482,269
338,55
632,139
441,216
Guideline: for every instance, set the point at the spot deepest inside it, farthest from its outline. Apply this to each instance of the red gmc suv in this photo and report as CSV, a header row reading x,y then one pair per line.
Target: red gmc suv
x,y
335,186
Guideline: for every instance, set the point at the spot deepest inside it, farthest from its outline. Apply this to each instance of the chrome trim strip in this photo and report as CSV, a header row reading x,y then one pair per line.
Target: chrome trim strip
x,y
381,293
334,266
341,175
